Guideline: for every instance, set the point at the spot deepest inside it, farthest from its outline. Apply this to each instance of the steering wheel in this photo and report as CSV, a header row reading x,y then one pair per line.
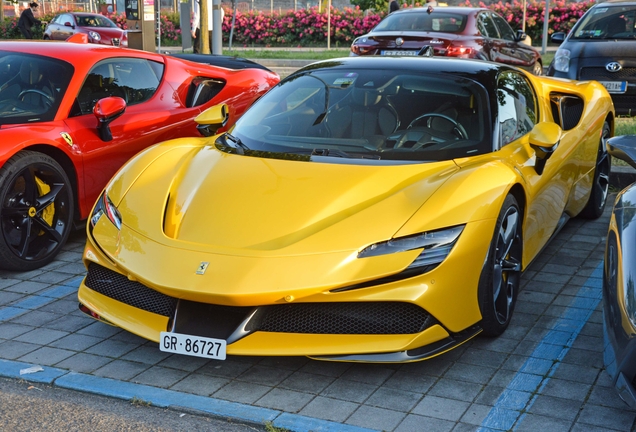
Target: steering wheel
x,y
457,128
48,98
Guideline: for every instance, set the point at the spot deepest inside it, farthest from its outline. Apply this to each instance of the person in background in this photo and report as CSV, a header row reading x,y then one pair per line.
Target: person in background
x,y
393,6
196,22
28,20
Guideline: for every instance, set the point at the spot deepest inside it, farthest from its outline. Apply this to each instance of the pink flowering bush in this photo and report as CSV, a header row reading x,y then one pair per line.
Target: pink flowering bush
x,y
304,27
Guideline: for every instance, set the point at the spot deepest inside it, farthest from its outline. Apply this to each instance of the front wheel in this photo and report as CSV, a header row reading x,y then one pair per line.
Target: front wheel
x,y
600,183
36,211
499,281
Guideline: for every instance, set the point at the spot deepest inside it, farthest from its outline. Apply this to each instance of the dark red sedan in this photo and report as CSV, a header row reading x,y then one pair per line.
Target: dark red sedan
x,y
450,32
98,28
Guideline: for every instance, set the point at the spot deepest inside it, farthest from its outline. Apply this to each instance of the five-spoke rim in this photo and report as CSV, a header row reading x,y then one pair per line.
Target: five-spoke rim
x,y
35,212
507,264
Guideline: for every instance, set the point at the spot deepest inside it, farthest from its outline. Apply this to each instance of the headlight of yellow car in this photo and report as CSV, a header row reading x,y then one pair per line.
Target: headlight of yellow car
x,y
105,207
436,246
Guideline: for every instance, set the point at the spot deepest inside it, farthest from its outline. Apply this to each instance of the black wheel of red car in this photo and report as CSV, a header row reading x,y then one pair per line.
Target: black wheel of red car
x,y
600,185
36,211
499,282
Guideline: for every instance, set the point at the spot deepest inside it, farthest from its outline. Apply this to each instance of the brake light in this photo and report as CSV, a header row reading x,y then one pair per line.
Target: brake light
x,y
459,52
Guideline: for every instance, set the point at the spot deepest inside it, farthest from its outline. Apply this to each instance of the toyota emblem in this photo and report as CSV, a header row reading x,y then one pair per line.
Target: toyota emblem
x,y
399,41
613,67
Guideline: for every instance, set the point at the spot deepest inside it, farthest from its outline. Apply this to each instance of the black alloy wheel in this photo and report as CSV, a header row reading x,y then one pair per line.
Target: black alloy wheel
x,y
36,211
600,185
499,282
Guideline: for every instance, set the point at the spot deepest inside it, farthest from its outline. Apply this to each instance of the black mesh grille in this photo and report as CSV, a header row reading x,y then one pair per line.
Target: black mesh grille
x,y
347,318
118,287
600,73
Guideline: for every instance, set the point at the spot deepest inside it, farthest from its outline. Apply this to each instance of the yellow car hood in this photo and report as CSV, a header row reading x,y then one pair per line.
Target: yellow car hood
x,y
203,199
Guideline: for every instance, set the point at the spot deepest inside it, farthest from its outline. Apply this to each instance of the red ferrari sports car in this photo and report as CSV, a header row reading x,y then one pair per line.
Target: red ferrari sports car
x,y
72,113
451,32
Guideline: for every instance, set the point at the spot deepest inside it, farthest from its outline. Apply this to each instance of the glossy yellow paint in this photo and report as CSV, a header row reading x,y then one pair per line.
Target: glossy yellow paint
x,y
295,228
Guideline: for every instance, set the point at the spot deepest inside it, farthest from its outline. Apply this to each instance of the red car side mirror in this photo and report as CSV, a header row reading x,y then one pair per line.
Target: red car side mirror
x,y
106,110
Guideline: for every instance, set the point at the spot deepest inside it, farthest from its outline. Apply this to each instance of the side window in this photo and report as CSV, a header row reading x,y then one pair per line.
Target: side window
x,y
486,26
504,28
202,90
66,18
517,107
134,80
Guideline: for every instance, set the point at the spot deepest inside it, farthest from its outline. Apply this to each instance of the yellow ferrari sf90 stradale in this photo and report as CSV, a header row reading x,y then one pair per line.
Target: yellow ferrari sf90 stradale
x,y
365,209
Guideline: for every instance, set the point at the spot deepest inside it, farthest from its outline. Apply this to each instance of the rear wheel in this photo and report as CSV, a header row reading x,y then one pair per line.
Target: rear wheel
x,y
499,281
537,69
36,211
600,184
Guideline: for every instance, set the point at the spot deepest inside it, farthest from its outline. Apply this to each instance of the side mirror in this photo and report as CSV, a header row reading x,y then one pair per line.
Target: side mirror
x,y
521,36
624,148
558,37
68,24
544,140
106,110
212,119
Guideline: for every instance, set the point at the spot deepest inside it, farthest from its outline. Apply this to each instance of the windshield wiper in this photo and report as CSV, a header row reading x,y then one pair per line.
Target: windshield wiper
x,y
236,143
342,154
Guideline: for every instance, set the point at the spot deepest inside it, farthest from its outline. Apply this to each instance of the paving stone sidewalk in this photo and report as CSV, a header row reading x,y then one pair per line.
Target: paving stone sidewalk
x,y
545,372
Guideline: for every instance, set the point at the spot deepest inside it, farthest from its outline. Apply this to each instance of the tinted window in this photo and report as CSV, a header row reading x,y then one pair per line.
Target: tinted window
x,y
517,107
486,26
94,21
440,21
613,22
504,28
134,80
371,115
31,87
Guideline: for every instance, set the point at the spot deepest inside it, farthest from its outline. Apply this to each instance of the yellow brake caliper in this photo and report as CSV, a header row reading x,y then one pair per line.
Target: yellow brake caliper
x,y
49,211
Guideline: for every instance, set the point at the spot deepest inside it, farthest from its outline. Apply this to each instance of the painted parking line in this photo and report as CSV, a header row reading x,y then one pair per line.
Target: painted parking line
x,y
36,301
165,398
509,410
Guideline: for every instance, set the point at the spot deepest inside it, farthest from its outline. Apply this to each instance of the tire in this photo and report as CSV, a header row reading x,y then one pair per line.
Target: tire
x,y
600,184
499,281
36,211
537,69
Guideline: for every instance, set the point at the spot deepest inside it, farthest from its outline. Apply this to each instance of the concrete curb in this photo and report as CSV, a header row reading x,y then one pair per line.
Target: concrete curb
x,y
171,399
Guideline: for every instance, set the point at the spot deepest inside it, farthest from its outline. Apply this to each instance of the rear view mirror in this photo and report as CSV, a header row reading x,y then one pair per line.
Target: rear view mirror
x,y
106,110
212,119
624,148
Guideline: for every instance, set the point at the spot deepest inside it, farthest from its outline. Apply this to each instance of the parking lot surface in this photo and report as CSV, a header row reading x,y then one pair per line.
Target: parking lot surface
x,y
544,372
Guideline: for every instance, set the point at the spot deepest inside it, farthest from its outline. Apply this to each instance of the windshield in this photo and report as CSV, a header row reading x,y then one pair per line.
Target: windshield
x,y
436,21
94,21
366,114
31,87
612,22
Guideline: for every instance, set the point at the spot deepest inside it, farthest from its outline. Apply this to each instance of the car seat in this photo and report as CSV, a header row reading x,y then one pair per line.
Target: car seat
x,y
29,86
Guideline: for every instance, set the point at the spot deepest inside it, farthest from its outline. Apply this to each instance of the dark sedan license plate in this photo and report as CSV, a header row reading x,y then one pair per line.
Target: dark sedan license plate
x,y
615,86
196,346
398,53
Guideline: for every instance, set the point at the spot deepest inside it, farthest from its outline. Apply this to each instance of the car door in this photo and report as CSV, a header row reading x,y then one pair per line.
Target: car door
x,y
153,114
490,34
66,27
547,190
513,52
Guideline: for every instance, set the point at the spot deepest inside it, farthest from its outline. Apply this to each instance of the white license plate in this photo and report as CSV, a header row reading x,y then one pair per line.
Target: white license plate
x,y
398,53
192,345
615,86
